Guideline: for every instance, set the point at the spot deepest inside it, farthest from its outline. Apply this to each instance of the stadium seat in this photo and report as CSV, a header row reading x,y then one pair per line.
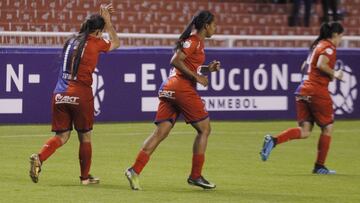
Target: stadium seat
x,y
234,17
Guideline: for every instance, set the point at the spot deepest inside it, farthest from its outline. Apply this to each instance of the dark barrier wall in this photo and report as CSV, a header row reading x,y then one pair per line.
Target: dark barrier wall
x,y
253,84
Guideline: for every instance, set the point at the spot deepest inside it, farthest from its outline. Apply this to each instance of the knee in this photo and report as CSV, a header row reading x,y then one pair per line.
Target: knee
x,y
305,134
160,135
64,137
84,137
63,140
205,131
326,131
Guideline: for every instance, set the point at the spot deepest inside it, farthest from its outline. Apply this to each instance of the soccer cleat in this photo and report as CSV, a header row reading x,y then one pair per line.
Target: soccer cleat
x,y
35,167
133,179
201,182
319,169
90,180
268,145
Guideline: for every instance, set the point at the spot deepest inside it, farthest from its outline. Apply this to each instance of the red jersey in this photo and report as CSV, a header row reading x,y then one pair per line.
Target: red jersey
x,y
317,81
178,94
88,62
193,48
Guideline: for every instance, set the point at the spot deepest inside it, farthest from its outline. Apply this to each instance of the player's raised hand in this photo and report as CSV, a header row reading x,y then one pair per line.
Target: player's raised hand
x,y
106,10
214,66
110,8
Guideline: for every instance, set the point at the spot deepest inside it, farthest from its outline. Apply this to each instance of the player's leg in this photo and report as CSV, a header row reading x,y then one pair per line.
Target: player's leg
x,y
160,133
194,112
165,119
325,8
305,122
83,122
199,148
62,125
85,156
293,18
307,15
322,151
324,118
36,160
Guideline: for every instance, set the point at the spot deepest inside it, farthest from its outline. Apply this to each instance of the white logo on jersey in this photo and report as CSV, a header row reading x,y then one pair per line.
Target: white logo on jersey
x,y
329,51
344,93
187,44
167,94
60,99
98,91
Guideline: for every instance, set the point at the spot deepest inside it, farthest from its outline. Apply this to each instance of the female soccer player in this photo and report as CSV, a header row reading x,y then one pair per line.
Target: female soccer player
x,y
178,96
313,101
73,102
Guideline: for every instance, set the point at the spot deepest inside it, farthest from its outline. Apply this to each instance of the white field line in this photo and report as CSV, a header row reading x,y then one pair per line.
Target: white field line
x,y
171,133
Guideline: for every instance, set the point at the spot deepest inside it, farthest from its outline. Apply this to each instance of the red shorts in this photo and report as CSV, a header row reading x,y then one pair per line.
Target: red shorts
x,y
72,109
187,102
315,109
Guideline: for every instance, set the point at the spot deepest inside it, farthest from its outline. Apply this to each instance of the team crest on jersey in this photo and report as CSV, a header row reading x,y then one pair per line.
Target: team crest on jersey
x,y
187,44
329,51
344,93
98,91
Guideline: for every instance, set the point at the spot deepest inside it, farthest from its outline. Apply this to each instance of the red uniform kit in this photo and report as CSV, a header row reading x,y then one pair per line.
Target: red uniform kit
x,y
73,101
313,101
178,94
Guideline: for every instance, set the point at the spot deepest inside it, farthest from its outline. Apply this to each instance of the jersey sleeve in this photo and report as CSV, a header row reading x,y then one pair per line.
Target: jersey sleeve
x,y
328,51
103,45
189,46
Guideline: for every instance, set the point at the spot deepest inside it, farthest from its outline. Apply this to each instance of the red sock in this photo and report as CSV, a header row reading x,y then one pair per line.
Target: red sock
x,y
141,160
197,164
85,153
323,148
289,134
49,148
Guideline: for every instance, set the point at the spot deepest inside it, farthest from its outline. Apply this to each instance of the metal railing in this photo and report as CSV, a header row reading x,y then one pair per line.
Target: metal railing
x,y
229,39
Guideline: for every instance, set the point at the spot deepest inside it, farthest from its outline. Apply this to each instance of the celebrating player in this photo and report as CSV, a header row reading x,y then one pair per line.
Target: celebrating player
x,y
178,95
313,101
73,101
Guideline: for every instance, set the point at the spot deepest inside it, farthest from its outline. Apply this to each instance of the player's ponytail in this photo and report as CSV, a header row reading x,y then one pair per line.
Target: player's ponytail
x,y
186,34
198,22
93,23
326,31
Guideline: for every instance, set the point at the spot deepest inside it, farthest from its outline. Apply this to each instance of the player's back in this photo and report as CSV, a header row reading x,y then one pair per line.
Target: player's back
x,y
315,81
71,80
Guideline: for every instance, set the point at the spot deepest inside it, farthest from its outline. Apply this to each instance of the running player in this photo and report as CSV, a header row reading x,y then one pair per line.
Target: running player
x,y
73,101
178,96
313,101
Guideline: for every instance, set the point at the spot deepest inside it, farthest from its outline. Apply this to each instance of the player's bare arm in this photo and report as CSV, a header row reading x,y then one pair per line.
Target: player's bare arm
x,y
105,11
211,67
178,62
323,65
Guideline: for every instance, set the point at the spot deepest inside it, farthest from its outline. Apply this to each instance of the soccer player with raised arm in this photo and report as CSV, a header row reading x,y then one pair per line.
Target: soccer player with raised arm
x,y
313,101
73,101
178,95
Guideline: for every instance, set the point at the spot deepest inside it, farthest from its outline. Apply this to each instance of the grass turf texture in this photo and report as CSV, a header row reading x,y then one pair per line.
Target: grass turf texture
x,y
232,162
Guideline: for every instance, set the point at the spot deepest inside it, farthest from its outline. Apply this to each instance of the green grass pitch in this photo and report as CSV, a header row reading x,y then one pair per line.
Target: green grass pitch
x,y
232,162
